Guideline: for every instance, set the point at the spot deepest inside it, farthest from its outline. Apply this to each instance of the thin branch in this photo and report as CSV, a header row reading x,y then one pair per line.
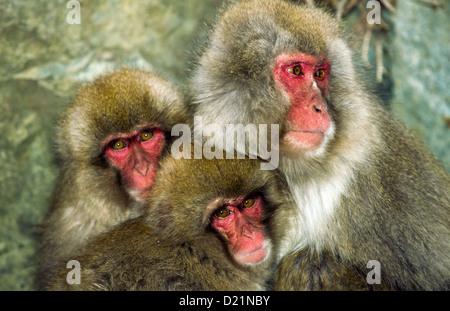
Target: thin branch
x,y
365,47
349,6
340,8
389,6
434,4
379,57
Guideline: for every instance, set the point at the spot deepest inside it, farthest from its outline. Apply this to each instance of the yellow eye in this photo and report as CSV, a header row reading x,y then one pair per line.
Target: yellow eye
x,y
248,203
222,213
118,144
146,135
320,73
296,70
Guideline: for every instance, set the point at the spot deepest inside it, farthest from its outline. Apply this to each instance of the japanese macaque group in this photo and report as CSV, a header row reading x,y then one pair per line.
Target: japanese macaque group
x,y
353,185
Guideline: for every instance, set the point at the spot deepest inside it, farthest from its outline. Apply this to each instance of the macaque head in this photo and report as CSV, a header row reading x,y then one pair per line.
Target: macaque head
x,y
240,222
122,121
232,198
136,156
274,62
304,78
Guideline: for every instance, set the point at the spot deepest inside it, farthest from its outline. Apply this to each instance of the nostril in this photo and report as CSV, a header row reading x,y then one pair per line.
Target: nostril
x,y
141,170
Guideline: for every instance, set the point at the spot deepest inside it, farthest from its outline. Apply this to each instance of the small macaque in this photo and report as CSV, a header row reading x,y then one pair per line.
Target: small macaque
x,y
111,140
208,225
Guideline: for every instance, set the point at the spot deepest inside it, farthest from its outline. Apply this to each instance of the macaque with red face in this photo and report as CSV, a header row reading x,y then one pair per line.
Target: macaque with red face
x,y
136,156
365,188
239,222
305,80
207,226
110,141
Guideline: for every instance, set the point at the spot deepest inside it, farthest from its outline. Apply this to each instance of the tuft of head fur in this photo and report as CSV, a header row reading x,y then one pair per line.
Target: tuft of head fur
x,y
116,103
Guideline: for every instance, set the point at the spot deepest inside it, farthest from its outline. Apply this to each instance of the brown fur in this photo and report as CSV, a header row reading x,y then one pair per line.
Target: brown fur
x,y
89,197
172,246
314,271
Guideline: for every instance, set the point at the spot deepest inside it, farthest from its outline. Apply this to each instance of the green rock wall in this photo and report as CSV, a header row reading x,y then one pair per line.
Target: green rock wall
x,y
421,72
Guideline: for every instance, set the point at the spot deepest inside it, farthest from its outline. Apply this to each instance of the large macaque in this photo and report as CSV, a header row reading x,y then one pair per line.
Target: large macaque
x,y
207,226
365,187
110,140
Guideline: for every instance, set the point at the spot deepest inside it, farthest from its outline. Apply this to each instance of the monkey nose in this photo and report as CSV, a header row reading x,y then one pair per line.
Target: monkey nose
x,y
248,232
319,107
141,169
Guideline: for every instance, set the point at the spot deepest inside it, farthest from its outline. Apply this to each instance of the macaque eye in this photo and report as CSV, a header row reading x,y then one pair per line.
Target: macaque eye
x,y
146,135
222,213
118,144
248,203
296,70
320,73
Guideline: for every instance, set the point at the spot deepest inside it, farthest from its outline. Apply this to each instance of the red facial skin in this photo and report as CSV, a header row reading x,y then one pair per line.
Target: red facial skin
x,y
137,160
308,119
244,231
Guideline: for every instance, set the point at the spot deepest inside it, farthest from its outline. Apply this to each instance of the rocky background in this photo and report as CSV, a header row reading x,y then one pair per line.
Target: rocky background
x,y
43,59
